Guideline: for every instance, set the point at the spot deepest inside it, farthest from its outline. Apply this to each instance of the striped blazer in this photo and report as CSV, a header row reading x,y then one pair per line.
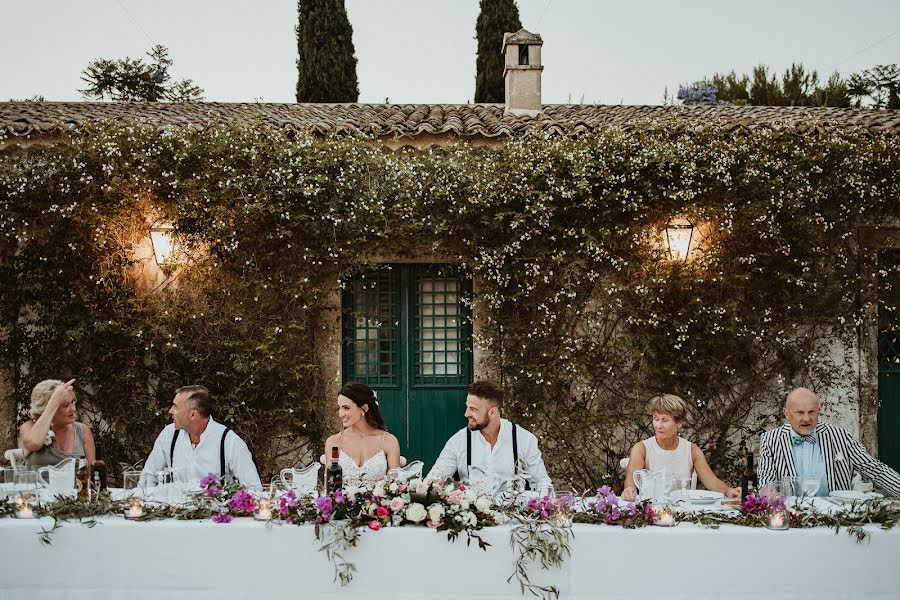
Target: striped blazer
x,y
841,453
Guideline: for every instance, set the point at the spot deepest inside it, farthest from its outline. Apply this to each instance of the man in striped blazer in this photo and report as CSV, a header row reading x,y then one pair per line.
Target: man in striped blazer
x,y
804,447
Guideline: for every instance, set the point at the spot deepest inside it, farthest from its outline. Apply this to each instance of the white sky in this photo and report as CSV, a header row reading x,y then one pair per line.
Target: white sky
x,y
423,51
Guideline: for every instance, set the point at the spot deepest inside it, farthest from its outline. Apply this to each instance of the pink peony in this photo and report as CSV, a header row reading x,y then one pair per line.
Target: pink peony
x,y
382,511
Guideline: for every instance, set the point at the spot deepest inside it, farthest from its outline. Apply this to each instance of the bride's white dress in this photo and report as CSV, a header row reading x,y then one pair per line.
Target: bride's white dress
x,y
372,470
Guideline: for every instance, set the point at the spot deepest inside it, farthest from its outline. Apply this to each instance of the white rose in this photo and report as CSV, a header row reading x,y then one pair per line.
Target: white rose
x,y
435,512
483,504
350,492
413,482
469,519
470,495
421,488
416,513
379,490
393,488
464,505
499,518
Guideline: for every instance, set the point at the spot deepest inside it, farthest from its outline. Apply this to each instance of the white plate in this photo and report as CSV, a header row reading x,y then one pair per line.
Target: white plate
x,y
854,496
703,496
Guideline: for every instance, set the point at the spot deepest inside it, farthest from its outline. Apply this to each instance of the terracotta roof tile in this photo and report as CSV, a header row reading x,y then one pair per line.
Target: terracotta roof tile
x,y
467,120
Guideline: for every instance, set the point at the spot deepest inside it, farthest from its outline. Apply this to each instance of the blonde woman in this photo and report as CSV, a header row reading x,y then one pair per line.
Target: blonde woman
x,y
52,434
667,450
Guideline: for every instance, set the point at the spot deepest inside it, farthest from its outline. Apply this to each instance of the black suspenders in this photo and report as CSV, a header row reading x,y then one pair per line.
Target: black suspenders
x,y
515,445
221,451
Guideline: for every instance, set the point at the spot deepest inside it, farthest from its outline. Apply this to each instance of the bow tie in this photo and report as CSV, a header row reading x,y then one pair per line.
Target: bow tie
x,y
798,440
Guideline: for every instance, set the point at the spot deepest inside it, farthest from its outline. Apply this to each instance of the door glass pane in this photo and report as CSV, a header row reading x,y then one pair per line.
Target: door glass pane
x,y
440,328
371,328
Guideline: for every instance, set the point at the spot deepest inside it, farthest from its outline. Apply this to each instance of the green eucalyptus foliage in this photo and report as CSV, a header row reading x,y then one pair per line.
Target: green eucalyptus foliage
x,y
585,317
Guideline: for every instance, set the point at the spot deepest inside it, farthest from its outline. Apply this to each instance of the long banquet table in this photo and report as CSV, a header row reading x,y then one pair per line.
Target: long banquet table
x,y
244,559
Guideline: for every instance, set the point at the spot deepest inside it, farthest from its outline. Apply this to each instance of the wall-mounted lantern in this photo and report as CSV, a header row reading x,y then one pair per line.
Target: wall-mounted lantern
x,y
162,236
679,238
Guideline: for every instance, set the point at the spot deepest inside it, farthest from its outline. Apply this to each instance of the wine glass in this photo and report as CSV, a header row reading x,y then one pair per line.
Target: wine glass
x,y
809,486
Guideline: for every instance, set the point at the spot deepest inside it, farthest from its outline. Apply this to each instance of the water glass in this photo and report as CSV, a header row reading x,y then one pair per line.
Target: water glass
x,y
131,481
8,476
26,483
788,487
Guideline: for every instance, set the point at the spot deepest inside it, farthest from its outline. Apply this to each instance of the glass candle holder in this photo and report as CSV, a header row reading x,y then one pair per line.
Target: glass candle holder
x,y
665,517
778,517
564,508
23,508
134,510
264,511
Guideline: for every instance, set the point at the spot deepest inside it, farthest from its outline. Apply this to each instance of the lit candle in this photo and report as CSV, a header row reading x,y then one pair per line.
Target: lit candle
x,y
665,519
24,511
19,500
777,520
134,510
264,513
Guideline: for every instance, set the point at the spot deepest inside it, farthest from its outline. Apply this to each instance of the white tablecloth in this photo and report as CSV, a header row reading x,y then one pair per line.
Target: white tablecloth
x,y
170,560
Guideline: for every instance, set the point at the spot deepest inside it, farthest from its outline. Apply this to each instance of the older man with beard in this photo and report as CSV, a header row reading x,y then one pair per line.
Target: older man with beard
x,y
491,443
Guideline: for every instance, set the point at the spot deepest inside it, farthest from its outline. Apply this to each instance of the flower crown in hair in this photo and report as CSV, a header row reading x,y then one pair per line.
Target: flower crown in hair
x,y
375,395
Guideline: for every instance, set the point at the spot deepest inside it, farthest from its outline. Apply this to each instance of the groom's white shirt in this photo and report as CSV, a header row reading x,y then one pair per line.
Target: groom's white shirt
x,y
498,460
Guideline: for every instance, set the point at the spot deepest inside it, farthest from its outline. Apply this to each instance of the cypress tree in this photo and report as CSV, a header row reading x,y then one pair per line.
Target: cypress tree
x,y
326,66
495,18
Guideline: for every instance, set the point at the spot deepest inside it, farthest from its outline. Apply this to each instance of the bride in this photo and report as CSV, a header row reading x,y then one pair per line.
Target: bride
x,y
367,450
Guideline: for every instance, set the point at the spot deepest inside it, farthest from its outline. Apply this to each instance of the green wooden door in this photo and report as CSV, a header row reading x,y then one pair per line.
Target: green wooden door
x,y
407,334
889,361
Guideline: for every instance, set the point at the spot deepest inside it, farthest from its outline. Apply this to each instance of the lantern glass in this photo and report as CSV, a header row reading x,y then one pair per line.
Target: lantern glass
x,y
163,239
679,235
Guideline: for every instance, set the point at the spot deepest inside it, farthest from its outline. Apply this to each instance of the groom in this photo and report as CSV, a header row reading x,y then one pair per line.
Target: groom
x,y
491,443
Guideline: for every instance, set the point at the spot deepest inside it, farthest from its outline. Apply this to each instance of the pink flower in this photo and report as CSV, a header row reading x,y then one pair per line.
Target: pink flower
x,y
397,504
421,488
433,524
382,511
462,486
222,518
375,525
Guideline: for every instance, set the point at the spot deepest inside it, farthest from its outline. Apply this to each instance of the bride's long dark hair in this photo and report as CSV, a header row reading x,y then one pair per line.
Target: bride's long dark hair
x,y
363,395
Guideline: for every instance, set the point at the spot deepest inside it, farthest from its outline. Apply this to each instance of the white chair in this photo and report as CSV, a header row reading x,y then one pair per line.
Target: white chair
x,y
16,457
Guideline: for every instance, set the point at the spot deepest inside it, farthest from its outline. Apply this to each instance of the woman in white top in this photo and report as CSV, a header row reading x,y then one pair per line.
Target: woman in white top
x,y
367,450
667,450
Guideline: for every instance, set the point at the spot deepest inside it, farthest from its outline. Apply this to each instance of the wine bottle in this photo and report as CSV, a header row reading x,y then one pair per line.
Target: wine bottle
x,y
84,479
749,480
98,471
334,478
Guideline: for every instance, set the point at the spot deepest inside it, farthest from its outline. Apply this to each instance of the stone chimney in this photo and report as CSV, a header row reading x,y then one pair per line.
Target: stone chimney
x,y
522,72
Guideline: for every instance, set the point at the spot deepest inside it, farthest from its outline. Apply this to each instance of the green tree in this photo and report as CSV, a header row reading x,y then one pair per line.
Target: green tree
x,y
326,66
495,18
797,86
878,87
134,80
